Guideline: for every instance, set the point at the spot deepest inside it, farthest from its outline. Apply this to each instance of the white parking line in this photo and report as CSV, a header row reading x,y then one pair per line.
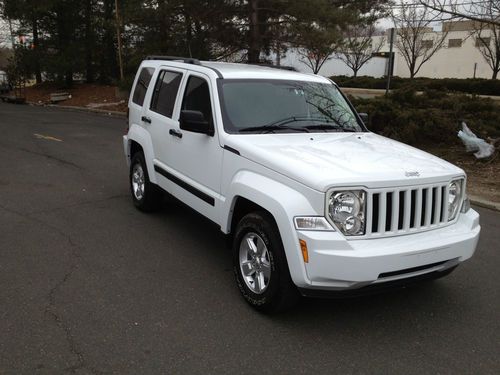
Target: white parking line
x,y
47,137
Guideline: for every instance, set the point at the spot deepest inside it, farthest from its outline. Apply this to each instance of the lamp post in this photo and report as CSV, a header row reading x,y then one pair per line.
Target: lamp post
x,y
390,62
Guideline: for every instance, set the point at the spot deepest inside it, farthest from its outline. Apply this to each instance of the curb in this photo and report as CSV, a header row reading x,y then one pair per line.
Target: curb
x,y
484,203
82,109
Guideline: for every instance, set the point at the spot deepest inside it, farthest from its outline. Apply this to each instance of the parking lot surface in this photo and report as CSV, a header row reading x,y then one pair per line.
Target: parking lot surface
x,y
88,284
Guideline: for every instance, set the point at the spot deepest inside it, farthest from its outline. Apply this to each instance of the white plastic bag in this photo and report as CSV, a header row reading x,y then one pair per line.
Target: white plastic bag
x,y
473,143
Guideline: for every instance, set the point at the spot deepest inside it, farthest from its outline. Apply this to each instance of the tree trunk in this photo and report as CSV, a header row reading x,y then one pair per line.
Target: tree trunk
x,y
36,66
108,55
68,77
316,66
119,40
254,36
495,74
89,69
355,72
189,33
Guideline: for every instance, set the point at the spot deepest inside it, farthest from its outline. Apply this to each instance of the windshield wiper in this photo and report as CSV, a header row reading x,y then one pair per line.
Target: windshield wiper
x,y
330,127
271,127
281,124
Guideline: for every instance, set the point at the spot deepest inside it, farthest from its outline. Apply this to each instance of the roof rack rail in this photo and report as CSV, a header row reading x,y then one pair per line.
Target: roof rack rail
x,y
187,60
282,67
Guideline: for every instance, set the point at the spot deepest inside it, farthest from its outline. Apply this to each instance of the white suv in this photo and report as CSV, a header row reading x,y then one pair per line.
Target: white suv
x,y
312,201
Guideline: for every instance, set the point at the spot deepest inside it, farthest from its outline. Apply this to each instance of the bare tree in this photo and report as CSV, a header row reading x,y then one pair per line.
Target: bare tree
x,y
314,59
359,46
487,40
485,21
317,45
415,37
473,10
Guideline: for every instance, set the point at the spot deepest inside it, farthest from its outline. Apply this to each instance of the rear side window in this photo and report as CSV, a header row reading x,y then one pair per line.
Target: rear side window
x,y
166,88
142,85
197,97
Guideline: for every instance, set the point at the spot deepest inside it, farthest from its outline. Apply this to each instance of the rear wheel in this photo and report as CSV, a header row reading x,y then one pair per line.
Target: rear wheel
x,y
145,195
260,264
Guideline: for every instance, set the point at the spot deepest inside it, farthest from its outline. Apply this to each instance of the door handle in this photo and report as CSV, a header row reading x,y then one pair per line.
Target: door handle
x,y
175,133
146,119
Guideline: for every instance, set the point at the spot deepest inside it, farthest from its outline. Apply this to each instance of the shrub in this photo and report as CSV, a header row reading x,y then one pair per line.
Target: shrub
x,y
477,86
431,117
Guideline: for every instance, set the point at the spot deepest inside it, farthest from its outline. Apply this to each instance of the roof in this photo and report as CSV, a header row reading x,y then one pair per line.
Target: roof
x,y
242,71
233,70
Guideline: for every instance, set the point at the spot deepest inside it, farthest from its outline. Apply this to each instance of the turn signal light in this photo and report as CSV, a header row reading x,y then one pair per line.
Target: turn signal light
x,y
305,253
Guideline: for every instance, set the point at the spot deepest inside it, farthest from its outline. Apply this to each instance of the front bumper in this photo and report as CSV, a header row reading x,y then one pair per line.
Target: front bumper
x,y
339,264
126,149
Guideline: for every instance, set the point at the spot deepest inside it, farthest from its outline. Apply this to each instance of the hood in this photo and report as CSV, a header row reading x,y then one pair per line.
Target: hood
x,y
323,160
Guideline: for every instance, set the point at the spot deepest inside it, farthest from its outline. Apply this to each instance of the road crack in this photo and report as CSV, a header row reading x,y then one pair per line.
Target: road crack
x,y
51,308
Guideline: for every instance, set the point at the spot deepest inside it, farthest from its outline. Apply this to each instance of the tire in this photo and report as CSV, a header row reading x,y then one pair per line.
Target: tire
x,y
146,196
272,289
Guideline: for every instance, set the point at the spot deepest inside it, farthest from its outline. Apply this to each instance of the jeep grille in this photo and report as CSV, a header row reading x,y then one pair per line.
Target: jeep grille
x,y
397,211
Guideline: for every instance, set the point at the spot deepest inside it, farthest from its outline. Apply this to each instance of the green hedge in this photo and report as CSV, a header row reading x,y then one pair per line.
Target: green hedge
x,y
433,117
469,85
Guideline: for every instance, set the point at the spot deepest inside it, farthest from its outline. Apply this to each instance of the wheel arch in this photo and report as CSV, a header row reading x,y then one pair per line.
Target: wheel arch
x,y
253,192
140,140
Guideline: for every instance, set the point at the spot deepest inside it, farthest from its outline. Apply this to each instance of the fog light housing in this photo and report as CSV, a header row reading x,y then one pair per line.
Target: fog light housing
x,y
312,223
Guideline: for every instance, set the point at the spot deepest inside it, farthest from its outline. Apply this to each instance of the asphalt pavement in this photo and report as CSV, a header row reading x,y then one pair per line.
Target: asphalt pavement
x,y
88,284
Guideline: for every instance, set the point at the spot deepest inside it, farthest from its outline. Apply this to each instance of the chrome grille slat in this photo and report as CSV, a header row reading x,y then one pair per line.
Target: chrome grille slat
x,y
369,213
407,210
382,212
396,211
418,209
437,206
428,206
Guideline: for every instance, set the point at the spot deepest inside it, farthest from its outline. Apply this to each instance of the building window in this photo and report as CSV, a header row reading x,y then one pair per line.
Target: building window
x,y
454,43
427,43
482,42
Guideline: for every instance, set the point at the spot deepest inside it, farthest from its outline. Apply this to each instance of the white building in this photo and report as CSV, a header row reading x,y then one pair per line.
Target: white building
x,y
458,58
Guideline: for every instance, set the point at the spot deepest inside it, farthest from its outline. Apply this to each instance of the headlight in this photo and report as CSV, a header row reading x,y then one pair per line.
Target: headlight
x,y
454,198
347,210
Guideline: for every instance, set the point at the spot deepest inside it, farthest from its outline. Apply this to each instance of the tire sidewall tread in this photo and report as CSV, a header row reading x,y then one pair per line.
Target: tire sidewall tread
x,y
151,200
281,293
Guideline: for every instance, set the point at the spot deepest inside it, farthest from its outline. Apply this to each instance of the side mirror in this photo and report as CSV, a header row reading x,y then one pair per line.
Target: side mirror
x,y
364,117
194,121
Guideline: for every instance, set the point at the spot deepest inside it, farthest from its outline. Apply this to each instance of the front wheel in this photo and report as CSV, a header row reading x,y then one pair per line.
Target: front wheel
x,y
260,264
145,195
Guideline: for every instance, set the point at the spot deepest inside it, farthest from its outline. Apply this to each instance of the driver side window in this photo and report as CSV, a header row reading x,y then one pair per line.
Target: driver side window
x,y
197,97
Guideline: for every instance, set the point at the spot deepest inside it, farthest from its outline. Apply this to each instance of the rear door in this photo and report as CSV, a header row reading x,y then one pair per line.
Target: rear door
x,y
159,112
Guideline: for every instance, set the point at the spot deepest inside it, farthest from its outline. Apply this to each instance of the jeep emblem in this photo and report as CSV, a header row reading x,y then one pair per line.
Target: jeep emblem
x,y
412,174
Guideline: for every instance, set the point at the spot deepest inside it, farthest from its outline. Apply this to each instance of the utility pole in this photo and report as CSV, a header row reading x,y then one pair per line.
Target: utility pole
x,y
475,67
11,31
119,40
391,62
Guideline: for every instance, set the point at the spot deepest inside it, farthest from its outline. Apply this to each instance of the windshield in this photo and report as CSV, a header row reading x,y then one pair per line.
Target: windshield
x,y
260,106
